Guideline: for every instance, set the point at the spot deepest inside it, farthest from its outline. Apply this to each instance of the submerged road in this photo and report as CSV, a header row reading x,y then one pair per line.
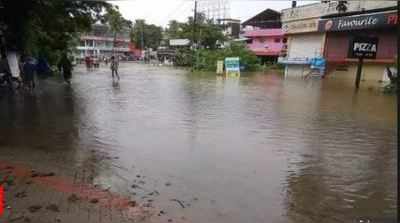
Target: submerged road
x,y
165,145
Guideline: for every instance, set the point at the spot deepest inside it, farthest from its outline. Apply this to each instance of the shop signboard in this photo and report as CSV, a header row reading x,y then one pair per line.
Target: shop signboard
x,y
179,42
297,61
303,26
232,66
368,21
363,47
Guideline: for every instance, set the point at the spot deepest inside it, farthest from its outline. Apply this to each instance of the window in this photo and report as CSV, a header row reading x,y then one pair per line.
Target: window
x,y
284,40
249,41
277,40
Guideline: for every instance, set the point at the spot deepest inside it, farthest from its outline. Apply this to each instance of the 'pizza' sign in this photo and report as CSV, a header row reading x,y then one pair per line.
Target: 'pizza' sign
x,y
363,47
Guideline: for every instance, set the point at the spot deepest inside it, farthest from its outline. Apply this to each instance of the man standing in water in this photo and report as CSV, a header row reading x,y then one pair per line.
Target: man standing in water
x,y
114,67
66,66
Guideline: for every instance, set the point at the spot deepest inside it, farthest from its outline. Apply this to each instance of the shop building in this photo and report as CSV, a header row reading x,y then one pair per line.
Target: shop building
x,y
230,27
341,29
305,41
100,43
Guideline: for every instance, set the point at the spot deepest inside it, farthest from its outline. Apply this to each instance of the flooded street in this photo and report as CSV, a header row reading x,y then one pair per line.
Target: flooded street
x,y
201,148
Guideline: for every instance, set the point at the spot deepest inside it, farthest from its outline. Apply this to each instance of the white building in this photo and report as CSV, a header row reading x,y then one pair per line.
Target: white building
x,y
100,42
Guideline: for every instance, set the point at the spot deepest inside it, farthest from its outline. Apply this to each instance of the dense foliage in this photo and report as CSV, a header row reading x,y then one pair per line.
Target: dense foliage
x,y
206,59
205,32
146,35
47,27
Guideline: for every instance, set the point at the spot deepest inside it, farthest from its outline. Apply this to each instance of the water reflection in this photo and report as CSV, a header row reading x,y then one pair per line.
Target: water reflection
x,y
252,149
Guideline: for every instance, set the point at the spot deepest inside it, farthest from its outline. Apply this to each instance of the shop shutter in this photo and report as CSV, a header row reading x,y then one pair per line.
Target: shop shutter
x,y
305,45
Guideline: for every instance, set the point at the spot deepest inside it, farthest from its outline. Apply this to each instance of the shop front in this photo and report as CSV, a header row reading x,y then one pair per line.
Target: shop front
x,y
340,31
304,43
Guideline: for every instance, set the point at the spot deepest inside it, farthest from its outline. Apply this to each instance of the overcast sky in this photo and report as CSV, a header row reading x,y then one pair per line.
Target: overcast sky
x,y
159,12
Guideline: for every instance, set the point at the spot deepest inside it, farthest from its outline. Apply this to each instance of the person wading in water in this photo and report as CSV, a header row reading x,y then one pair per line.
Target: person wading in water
x,y
66,66
114,67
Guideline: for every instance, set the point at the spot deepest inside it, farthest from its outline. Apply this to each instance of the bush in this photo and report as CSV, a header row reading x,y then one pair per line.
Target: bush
x,y
184,58
206,60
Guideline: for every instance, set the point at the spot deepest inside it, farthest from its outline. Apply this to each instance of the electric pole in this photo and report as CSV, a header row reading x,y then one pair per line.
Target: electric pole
x,y
142,35
194,43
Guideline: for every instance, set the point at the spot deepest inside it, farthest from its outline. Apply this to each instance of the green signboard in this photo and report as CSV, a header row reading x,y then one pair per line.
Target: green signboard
x,y
232,66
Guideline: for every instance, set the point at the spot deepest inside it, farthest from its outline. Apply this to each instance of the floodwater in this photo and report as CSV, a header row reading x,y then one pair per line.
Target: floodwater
x,y
259,148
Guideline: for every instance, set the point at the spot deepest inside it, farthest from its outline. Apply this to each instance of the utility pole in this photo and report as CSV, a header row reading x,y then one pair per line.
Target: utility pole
x,y
142,36
194,43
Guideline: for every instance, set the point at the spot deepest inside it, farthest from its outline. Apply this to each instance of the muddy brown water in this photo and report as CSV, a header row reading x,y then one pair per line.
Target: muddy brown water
x,y
259,148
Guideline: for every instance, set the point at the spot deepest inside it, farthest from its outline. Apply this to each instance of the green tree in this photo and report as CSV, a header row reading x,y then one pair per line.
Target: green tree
x,y
146,35
174,30
207,59
205,32
116,22
48,26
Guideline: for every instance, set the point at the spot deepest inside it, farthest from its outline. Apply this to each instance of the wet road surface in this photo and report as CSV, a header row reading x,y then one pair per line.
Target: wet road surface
x,y
200,148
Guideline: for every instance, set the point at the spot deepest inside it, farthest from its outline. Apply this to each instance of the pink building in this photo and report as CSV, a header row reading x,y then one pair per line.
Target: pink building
x,y
265,43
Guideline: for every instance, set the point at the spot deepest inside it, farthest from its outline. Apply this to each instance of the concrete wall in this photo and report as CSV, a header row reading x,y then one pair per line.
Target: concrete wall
x,y
317,10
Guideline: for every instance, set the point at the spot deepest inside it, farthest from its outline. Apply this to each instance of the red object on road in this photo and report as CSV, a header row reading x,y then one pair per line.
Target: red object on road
x,y
1,201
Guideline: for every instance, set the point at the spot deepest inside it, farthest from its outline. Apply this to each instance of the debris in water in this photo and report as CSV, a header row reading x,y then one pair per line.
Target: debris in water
x,y
168,184
17,218
73,198
154,193
94,201
53,207
134,186
51,174
169,220
34,208
21,194
37,174
132,203
34,175
179,202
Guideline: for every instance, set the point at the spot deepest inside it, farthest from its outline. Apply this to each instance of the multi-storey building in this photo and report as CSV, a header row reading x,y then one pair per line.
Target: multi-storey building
x,y
264,35
100,43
